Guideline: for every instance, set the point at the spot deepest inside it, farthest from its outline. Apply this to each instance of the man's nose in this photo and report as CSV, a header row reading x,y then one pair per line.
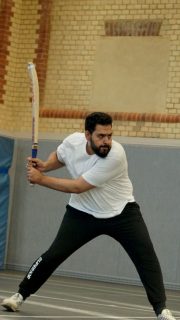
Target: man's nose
x,y
105,140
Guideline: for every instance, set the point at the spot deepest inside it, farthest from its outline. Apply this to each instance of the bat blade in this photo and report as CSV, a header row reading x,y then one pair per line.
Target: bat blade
x,y
35,107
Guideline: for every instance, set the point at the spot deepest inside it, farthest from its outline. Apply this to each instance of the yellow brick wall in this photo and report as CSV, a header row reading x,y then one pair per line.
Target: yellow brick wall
x,y
16,109
23,37
74,29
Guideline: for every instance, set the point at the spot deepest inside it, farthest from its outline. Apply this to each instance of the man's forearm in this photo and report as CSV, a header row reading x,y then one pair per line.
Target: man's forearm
x,y
63,185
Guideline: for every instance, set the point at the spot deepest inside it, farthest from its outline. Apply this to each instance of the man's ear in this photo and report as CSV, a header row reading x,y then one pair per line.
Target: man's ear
x,y
87,135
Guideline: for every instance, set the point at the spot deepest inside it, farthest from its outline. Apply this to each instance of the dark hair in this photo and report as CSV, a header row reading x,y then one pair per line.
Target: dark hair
x,y
97,118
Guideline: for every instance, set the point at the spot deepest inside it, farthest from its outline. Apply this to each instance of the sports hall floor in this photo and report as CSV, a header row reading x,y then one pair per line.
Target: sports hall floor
x,y
72,298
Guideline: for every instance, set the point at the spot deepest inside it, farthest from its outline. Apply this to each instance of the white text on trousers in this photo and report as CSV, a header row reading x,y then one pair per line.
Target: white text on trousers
x,y
33,268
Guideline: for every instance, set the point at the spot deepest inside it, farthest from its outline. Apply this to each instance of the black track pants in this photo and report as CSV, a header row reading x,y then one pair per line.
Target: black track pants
x,y
78,228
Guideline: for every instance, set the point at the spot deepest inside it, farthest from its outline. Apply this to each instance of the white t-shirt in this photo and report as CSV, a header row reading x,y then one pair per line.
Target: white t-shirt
x,y
110,176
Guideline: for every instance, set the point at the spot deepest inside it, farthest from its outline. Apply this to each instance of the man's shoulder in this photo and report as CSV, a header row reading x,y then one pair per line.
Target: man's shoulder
x,y
117,152
117,147
76,137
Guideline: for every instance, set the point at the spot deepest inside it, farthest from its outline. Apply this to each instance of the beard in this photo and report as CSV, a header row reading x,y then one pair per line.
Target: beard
x,y
101,151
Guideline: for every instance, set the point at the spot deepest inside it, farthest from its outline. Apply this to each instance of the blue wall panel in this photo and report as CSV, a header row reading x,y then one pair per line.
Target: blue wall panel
x,y
6,154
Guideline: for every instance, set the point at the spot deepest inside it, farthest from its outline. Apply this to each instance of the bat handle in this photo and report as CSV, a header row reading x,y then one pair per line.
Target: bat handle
x,y
34,155
34,150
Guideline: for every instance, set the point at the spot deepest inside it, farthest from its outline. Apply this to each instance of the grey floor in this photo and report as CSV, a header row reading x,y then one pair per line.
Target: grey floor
x,y
72,298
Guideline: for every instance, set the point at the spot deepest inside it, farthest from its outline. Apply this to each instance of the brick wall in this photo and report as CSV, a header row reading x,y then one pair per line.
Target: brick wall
x,y
6,7
21,24
60,37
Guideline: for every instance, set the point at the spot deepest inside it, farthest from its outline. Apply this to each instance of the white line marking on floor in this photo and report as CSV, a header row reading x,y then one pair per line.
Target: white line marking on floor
x,y
73,310
105,304
74,317
122,305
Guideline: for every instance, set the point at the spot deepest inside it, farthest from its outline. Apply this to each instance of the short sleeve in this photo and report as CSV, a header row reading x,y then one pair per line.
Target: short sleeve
x,y
104,170
60,153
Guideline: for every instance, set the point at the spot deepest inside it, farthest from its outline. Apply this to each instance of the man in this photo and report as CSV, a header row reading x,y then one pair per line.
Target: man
x,y
101,202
